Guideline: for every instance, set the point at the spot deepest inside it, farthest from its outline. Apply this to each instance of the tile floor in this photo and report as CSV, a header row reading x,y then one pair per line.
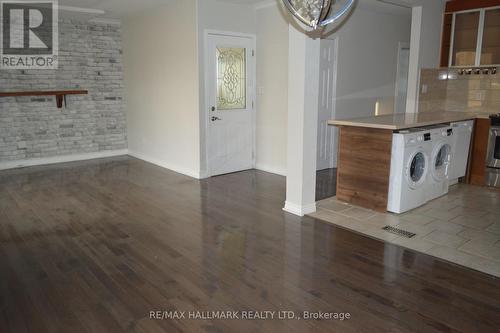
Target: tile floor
x,y
462,227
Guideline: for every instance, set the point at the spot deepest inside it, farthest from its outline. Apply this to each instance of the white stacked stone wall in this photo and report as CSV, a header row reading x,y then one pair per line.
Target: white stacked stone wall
x,y
90,58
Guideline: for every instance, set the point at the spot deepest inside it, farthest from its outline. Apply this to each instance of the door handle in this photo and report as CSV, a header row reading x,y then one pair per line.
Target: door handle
x,y
212,109
216,118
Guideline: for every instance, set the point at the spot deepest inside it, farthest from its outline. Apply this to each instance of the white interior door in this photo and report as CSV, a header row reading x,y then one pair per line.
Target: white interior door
x,y
231,91
402,78
327,135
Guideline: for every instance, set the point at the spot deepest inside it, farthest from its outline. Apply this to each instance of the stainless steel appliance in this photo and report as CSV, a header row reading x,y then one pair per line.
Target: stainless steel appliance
x,y
493,160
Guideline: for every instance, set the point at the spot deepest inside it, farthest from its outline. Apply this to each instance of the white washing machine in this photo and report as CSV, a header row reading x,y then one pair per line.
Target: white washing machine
x,y
410,167
441,159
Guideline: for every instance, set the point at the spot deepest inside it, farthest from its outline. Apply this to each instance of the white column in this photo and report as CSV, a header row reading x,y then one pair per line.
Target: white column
x,y
414,65
303,94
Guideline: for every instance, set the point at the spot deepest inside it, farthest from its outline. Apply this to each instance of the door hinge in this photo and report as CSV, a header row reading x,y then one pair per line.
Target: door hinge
x,y
253,53
253,105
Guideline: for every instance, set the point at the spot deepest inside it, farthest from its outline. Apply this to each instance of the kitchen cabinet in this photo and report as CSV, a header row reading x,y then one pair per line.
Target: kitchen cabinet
x,y
479,151
471,34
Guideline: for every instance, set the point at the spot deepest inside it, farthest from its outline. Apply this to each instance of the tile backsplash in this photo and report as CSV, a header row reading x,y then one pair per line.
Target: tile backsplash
x,y
446,90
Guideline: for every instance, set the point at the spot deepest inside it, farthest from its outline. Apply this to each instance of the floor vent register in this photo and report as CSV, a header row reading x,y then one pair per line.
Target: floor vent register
x,y
399,232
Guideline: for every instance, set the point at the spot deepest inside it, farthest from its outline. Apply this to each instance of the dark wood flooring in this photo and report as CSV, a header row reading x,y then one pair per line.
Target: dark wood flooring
x,y
95,246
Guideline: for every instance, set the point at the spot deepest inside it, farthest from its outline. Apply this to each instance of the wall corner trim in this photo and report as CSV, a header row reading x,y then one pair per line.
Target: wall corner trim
x,y
165,165
270,169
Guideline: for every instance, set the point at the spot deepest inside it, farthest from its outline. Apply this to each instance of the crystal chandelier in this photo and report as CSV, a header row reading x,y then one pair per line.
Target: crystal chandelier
x,y
317,13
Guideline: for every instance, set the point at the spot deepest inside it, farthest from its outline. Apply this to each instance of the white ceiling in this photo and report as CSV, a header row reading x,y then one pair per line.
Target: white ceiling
x,y
117,9
111,9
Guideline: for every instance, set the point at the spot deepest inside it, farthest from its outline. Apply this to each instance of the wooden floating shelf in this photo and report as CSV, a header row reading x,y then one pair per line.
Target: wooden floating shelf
x,y
60,94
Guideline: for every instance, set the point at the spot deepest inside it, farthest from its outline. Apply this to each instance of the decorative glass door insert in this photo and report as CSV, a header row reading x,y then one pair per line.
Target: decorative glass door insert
x,y
231,78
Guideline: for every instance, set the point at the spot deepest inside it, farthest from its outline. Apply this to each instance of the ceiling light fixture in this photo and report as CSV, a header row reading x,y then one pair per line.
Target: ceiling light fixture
x,y
317,13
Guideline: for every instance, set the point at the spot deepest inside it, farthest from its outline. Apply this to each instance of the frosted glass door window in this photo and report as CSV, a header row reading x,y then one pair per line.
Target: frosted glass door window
x,y
465,39
231,78
490,53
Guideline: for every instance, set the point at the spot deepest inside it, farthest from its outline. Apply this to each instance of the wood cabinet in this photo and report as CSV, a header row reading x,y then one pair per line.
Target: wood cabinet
x,y
477,167
471,33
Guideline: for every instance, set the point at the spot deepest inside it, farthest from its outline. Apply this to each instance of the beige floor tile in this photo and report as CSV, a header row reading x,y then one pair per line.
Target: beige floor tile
x,y
495,228
468,203
381,220
492,217
472,222
339,220
329,216
481,235
441,214
421,210
462,227
484,265
418,219
445,203
445,239
465,211
448,227
379,233
451,254
420,230
481,248
359,213
493,208
333,205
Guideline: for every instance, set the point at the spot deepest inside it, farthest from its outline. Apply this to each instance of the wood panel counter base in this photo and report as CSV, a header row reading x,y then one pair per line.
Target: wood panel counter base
x,y
364,167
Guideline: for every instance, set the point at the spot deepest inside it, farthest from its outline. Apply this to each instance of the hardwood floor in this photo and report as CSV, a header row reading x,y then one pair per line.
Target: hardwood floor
x,y
96,246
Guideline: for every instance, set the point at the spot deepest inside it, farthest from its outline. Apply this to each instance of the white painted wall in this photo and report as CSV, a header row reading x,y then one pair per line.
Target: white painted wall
x,y
221,16
272,89
368,53
161,78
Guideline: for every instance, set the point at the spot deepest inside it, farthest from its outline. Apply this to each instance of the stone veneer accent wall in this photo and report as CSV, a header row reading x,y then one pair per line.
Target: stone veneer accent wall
x,y
448,91
90,57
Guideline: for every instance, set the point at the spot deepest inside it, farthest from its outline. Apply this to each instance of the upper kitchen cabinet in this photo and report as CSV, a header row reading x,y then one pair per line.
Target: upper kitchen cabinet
x,y
490,51
471,33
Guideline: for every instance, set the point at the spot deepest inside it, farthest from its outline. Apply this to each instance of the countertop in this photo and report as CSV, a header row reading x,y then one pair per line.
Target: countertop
x,y
407,120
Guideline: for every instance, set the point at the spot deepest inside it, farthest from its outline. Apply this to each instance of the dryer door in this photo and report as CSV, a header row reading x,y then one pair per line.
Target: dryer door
x,y
441,159
417,169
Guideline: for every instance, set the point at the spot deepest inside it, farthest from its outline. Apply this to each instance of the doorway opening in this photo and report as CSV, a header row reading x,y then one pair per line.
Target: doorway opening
x,y
327,145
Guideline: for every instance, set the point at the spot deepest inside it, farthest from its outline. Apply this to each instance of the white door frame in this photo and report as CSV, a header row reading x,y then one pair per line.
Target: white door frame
x,y
205,138
334,139
401,46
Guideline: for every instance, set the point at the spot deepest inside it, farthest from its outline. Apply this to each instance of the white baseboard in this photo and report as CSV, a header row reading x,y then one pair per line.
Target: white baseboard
x,y
61,159
266,168
163,164
298,209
